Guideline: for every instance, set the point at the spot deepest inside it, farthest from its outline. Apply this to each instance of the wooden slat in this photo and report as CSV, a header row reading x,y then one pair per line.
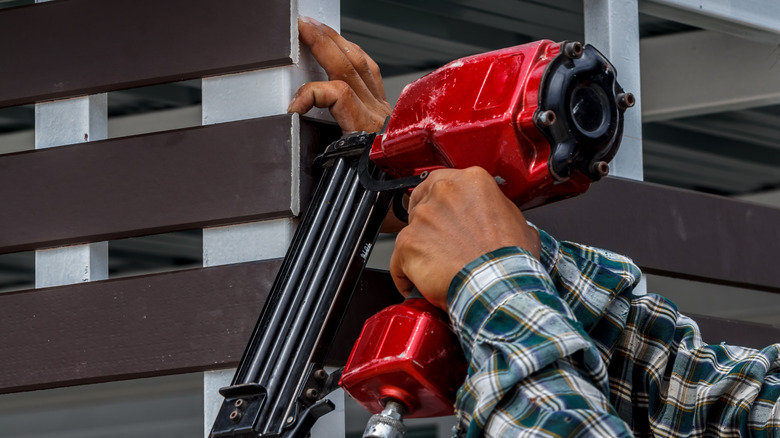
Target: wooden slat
x,y
733,332
150,325
673,232
189,178
76,47
222,174
184,321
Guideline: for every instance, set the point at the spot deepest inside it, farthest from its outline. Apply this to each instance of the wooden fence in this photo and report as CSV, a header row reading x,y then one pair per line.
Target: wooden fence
x,y
229,173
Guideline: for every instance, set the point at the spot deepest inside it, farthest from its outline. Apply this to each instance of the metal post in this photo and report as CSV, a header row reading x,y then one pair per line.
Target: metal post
x,y
612,26
59,123
252,94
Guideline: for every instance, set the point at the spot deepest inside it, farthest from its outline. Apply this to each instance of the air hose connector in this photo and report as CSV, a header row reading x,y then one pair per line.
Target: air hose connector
x,y
388,423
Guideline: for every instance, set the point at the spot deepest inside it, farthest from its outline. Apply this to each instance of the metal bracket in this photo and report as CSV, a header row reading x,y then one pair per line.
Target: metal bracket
x,y
359,143
385,184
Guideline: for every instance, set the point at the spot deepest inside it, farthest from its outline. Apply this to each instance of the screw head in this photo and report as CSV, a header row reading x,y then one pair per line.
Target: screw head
x,y
573,49
626,100
600,168
545,118
320,375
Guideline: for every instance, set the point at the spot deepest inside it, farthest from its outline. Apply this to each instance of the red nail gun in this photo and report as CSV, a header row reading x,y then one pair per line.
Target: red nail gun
x,y
543,118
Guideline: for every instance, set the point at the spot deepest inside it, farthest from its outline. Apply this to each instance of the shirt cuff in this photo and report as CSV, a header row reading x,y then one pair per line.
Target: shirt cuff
x,y
506,296
550,252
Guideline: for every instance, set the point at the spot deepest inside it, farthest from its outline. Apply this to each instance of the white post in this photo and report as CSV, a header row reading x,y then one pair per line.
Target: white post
x,y
612,26
257,94
60,123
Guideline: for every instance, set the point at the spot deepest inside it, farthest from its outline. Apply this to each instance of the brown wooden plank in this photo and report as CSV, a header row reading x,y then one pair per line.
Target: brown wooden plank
x,y
673,232
149,325
184,321
78,47
189,178
733,332
222,174
133,327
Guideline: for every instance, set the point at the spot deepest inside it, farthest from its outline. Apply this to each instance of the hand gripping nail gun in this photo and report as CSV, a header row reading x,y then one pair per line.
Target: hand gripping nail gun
x,y
543,118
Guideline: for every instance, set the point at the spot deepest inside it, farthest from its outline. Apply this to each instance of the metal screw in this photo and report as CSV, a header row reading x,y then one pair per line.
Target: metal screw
x,y
573,49
235,416
625,100
290,419
600,168
320,375
312,393
545,118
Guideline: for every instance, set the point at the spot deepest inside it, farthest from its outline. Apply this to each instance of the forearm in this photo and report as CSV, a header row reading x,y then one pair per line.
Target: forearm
x,y
673,384
663,380
521,339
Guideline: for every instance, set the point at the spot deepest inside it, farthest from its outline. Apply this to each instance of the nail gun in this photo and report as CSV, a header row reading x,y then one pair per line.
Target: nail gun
x,y
543,118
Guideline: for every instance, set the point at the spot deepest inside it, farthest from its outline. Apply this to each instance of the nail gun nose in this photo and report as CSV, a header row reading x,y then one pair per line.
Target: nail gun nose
x,y
388,423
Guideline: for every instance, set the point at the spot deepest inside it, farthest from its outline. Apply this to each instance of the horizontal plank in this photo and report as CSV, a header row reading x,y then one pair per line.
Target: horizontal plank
x,y
154,183
733,332
673,232
136,327
151,325
184,321
77,47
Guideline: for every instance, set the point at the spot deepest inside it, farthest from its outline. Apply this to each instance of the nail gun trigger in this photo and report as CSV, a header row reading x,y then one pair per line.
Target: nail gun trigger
x,y
399,210
380,184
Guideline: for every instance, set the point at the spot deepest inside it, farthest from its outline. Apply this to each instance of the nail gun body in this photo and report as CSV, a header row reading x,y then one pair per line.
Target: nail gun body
x,y
544,118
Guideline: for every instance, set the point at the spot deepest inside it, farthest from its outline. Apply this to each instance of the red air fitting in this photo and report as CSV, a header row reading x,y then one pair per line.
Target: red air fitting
x,y
408,354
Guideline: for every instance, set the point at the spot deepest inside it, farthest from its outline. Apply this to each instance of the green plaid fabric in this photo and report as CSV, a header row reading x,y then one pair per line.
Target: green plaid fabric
x,y
565,348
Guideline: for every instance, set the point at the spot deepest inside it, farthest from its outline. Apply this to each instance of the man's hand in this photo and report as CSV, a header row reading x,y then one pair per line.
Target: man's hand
x,y
455,216
354,93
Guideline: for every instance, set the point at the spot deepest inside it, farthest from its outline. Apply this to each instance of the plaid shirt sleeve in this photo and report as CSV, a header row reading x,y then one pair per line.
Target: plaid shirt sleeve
x,y
562,347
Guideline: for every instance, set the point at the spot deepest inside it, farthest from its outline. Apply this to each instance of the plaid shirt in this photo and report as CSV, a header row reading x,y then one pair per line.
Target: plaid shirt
x,y
564,347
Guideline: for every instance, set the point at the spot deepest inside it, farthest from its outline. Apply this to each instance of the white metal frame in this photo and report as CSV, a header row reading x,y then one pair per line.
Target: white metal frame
x,y
613,27
704,72
61,123
757,20
247,95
